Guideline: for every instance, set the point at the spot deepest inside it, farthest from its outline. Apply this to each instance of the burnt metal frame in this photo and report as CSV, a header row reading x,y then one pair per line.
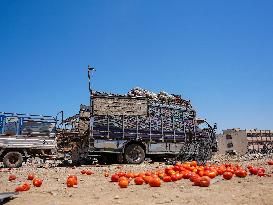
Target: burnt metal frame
x,y
24,118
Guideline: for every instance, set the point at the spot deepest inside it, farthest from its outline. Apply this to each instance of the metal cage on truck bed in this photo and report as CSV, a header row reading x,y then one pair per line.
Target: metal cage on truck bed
x,y
27,131
145,120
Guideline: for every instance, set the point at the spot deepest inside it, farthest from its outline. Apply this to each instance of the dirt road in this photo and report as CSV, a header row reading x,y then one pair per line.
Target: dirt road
x,y
96,189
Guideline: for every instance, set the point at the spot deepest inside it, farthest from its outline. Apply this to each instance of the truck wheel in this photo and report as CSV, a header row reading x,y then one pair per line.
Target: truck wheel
x,y
134,154
13,160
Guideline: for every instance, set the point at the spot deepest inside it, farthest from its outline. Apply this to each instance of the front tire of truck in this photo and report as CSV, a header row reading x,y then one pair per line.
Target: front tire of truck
x,y
13,160
134,154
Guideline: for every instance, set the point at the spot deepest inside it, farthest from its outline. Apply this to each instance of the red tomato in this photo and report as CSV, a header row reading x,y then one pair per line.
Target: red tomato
x,y
141,175
193,163
124,178
161,175
196,180
37,182
139,181
229,169
204,181
261,173
12,177
253,170
129,175
261,169
155,182
240,173
70,182
147,179
249,166
212,174
227,175
176,168
18,188
187,175
148,173
83,171
174,177
30,176
89,172
114,178
201,173
167,179
74,177
25,186
270,162
194,177
171,172
168,169
123,183
179,176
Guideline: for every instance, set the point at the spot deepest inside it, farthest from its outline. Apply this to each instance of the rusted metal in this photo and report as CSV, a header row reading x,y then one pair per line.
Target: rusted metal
x,y
119,106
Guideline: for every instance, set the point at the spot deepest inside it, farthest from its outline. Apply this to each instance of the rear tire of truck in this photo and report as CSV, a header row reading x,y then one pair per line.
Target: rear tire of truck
x,y
13,160
134,154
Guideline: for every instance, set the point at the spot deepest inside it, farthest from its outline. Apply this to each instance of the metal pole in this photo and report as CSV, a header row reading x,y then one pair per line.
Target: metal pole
x,y
91,137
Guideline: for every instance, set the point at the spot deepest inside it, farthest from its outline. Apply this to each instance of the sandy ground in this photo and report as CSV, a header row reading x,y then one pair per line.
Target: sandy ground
x,y
96,189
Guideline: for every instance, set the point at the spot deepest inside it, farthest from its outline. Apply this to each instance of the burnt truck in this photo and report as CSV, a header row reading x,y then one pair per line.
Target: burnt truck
x,y
125,128
24,136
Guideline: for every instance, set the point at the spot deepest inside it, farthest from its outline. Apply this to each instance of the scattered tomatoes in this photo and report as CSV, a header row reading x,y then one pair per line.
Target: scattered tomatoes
x,y
23,187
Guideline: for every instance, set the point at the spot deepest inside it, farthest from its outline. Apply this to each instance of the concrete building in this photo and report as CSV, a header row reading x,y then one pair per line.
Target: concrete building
x,y
243,141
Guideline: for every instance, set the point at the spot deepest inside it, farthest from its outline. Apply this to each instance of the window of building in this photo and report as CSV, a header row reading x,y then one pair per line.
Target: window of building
x,y
230,145
228,137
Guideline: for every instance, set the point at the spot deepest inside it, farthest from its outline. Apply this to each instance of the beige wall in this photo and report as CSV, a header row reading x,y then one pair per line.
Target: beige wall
x,y
239,141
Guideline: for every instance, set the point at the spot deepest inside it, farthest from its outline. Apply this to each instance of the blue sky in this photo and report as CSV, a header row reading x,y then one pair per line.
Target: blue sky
x,y
218,54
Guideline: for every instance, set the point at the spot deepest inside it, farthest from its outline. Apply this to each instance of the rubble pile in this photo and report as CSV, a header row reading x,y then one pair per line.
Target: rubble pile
x,y
219,158
162,96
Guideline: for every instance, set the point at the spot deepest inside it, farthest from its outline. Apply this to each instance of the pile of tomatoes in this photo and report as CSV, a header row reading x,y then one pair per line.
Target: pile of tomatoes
x,y
199,175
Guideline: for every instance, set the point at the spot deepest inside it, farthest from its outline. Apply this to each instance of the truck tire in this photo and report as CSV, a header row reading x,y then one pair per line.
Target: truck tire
x,y
13,160
134,154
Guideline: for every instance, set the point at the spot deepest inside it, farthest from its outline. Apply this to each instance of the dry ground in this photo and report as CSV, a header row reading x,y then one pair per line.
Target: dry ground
x,y
96,189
